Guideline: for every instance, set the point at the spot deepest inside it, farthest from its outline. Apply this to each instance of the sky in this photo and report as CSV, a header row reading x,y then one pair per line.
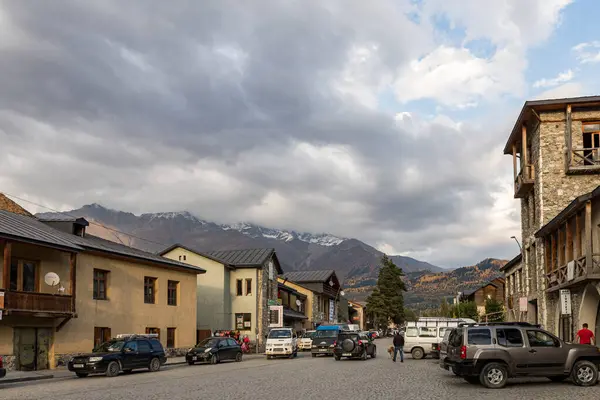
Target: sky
x,y
383,120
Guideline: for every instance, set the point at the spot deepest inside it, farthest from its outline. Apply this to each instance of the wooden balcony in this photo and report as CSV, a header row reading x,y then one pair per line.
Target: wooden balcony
x,y
560,278
524,181
38,303
584,161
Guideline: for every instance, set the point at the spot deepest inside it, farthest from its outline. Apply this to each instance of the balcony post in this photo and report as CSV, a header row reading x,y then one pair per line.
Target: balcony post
x,y
588,235
6,265
514,152
524,155
568,139
73,279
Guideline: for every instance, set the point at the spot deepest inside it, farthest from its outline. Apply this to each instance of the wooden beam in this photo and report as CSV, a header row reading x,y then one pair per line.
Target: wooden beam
x,y
6,265
547,255
568,139
524,155
588,235
73,278
553,254
514,152
569,239
63,323
577,236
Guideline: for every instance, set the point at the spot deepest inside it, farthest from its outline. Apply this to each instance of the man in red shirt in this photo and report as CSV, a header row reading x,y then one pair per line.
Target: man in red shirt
x,y
585,335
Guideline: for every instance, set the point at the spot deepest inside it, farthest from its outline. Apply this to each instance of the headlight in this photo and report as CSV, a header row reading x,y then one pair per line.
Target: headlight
x,y
94,359
314,346
207,350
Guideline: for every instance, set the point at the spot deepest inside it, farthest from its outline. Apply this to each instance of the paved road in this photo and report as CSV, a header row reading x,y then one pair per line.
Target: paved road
x,y
301,378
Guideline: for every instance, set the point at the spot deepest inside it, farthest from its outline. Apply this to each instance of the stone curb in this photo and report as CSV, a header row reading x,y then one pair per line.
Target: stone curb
x,y
26,379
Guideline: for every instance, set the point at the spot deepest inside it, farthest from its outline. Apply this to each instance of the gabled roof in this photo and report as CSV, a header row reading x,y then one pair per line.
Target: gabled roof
x,y
309,276
201,253
11,206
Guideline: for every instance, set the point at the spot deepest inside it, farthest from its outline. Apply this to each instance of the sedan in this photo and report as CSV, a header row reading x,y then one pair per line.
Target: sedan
x,y
213,350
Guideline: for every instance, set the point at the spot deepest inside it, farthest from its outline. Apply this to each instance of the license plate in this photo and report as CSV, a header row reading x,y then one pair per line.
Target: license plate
x,y
323,350
77,365
194,358
347,355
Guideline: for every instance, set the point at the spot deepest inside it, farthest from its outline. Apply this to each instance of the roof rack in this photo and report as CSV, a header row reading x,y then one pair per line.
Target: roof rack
x,y
501,324
135,335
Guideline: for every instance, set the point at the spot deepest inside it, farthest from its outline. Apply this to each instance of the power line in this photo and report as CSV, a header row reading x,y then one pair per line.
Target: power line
x,y
91,222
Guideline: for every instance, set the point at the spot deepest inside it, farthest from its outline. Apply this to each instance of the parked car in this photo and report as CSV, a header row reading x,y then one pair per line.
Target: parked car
x,y
282,342
444,348
435,346
213,350
354,345
421,341
323,340
2,369
490,354
305,342
123,353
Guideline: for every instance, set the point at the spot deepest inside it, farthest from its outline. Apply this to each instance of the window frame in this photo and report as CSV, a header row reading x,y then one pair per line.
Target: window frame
x,y
149,282
101,333
246,317
172,293
96,283
152,329
416,330
508,345
248,282
239,287
471,331
555,340
19,270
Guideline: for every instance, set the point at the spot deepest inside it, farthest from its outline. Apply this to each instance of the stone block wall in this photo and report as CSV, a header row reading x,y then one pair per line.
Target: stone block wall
x,y
268,291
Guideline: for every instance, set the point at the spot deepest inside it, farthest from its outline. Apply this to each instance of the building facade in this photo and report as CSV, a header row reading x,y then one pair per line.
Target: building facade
x,y
235,291
493,290
555,147
357,316
63,292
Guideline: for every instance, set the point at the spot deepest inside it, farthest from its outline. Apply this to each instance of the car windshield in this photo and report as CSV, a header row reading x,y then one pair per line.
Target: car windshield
x,y
326,334
209,342
308,335
110,346
283,334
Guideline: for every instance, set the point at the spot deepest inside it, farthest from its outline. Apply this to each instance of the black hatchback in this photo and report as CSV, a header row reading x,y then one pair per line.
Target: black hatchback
x,y
354,345
214,350
125,353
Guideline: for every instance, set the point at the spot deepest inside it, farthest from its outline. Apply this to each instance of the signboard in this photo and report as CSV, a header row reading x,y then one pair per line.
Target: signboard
x,y
523,304
331,310
276,302
565,301
571,270
275,316
1,300
239,321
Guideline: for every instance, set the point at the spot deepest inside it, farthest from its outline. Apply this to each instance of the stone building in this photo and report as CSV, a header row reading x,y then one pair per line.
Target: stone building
x,y
555,146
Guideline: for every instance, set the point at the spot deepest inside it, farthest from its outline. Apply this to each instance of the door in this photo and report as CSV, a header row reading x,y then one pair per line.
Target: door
x,y
31,347
233,348
144,353
547,355
223,350
131,355
511,340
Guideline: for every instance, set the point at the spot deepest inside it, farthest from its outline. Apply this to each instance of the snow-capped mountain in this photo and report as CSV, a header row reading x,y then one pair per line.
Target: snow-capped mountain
x,y
172,215
255,231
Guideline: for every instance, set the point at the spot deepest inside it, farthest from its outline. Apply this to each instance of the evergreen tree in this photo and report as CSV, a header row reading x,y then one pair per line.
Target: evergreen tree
x,y
495,310
386,303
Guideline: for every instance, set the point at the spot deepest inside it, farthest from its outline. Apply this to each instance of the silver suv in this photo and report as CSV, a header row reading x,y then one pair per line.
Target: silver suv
x,y
491,353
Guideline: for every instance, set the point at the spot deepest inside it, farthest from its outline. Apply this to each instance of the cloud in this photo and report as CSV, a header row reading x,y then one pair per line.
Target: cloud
x,y
559,79
571,89
271,112
588,52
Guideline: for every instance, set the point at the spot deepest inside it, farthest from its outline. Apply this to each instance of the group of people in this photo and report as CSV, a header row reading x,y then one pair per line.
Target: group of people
x,y
244,341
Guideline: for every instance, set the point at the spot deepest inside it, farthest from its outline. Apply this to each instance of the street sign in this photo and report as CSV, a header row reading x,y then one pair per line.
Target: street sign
x,y
571,270
275,316
565,301
523,304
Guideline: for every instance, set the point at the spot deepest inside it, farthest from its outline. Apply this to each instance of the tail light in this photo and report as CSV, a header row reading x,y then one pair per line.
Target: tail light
x,y
463,352
335,342
360,342
1,365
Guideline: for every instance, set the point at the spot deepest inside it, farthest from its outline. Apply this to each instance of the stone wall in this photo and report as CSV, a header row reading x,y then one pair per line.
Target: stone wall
x,y
268,291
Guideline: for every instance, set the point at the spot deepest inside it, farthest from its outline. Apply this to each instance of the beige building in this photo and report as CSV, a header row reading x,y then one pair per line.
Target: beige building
x,y
555,145
234,292
64,291
358,315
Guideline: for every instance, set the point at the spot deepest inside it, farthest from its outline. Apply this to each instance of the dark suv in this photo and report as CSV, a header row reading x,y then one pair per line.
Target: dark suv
x,y
491,353
124,353
354,345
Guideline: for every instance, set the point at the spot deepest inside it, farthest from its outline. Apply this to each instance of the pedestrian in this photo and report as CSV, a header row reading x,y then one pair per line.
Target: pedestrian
x,y
399,346
585,336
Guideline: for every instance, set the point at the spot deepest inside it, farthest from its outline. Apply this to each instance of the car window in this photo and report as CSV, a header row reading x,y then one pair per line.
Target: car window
x,y
155,344
456,338
479,336
131,346
280,334
443,331
326,334
541,339
411,332
447,334
143,346
231,342
427,332
222,343
509,337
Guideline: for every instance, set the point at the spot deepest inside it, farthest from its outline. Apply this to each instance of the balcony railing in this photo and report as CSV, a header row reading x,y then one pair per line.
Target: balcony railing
x,y
585,159
31,302
524,181
559,278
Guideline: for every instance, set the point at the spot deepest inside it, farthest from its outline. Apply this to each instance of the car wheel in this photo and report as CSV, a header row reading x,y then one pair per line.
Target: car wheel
x,y
238,357
494,375
417,353
154,364
214,359
112,369
585,373
473,380
374,352
81,374
455,370
558,378
337,358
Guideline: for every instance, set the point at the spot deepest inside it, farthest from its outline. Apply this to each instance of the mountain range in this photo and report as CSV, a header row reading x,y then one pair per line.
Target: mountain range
x,y
355,262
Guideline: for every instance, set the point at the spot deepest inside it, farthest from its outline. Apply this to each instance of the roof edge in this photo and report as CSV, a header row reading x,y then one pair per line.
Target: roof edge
x,y
517,259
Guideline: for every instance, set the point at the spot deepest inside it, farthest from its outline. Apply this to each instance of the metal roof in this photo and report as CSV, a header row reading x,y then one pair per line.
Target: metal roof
x,y
29,229
512,262
238,258
201,253
308,276
293,314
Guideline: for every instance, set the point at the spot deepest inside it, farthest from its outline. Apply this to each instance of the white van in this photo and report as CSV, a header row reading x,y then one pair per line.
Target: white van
x,y
422,338
282,342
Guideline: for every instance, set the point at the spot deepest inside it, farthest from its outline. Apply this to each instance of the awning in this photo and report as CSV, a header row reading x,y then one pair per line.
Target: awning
x,y
291,314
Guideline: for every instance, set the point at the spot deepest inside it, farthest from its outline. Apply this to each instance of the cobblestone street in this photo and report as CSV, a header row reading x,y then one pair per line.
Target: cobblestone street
x,y
301,378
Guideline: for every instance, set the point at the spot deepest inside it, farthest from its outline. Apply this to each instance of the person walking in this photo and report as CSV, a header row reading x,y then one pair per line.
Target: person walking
x,y
585,336
399,346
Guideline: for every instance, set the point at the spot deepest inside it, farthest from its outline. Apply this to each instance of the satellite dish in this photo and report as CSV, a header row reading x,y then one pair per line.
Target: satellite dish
x,y
342,293
51,279
298,302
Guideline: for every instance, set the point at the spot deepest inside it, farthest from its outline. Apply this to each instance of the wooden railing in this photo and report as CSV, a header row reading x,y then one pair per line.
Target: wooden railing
x,y
559,277
525,179
585,157
37,302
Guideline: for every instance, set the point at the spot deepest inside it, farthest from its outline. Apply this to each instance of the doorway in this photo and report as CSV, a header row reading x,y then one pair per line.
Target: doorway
x,y
32,347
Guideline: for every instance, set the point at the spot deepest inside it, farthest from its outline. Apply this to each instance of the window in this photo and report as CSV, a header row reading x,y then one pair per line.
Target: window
x,y
411,332
243,321
184,258
443,332
427,332
591,144
509,337
456,337
149,290
131,346
24,275
231,342
170,338
144,346
101,335
248,287
100,284
541,339
239,287
172,287
479,336
153,330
